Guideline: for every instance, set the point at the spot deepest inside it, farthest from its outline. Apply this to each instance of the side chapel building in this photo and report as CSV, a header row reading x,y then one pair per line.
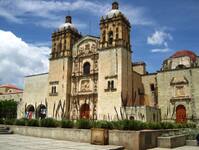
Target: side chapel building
x,y
94,78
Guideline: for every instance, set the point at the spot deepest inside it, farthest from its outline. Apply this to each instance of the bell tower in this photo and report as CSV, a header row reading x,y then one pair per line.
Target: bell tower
x,y
115,29
115,69
63,39
60,68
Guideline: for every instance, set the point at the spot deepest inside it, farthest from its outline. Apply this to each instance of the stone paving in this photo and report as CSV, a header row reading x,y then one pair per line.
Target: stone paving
x,y
179,148
19,142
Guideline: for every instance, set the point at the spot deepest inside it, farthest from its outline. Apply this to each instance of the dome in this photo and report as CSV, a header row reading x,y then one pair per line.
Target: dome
x,y
68,24
114,11
182,53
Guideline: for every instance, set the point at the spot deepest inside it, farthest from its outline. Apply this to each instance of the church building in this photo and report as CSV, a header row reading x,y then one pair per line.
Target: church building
x,y
94,78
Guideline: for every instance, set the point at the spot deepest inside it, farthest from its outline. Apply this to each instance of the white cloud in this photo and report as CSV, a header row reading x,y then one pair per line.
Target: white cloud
x,y
159,38
19,11
18,58
160,50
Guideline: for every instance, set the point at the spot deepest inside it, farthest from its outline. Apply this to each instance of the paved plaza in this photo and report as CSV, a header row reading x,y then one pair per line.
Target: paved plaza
x,y
179,148
19,142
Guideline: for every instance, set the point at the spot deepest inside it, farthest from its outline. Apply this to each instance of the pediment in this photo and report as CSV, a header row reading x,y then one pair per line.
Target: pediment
x,y
179,80
86,46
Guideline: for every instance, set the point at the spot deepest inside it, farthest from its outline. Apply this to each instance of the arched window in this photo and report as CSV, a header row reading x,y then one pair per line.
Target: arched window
x,y
110,37
86,68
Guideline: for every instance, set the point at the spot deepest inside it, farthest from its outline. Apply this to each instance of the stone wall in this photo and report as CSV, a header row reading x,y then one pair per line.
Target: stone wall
x,y
59,78
144,113
138,90
115,65
139,67
169,97
35,92
150,95
132,140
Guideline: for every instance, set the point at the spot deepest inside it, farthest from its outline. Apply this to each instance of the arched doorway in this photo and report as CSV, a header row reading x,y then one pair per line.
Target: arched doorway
x,y
29,111
41,111
181,114
85,111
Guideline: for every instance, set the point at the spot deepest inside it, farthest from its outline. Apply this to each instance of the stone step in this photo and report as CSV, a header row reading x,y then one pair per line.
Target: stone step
x,y
7,132
4,129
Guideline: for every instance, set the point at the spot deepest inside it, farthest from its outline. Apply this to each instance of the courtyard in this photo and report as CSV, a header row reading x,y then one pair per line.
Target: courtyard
x,y
20,142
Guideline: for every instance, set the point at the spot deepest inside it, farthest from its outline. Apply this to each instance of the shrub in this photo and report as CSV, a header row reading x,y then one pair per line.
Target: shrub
x,y
102,124
1,121
33,122
128,125
21,122
191,125
117,125
152,125
167,125
8,109
9,121
49,122
67,124
83,124
137,125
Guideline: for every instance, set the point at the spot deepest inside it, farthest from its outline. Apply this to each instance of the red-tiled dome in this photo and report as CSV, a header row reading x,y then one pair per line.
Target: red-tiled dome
x,y
182,53
9,86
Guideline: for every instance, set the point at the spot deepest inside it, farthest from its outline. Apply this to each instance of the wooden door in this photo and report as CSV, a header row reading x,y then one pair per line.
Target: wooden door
x,y
85,111
181,114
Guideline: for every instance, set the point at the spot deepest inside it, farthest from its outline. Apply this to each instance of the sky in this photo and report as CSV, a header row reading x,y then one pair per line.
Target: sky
x,y
159,29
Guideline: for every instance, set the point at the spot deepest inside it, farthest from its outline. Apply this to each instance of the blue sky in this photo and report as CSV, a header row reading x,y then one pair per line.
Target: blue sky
x,y
159,28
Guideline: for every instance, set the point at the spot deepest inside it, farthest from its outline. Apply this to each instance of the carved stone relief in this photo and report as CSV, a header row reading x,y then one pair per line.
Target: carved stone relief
x,y
180,91
85,85
86,48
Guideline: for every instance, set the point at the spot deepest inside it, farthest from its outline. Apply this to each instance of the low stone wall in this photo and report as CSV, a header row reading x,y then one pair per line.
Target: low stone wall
x,y
76,135
135,140
191,143
131,140
172,141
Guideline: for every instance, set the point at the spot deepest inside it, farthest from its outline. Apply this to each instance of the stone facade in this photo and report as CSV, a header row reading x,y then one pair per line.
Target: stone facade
x,y
34,96
175,87
95,78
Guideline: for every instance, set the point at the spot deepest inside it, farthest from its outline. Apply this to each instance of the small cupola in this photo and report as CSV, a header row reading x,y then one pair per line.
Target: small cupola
x,y
115,5
68,19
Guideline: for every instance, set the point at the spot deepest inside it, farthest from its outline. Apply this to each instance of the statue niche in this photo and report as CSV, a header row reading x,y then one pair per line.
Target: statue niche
x,y
85,86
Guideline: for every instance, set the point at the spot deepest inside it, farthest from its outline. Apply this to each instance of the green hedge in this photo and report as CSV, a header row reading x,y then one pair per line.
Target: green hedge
x,y
102,124
33,122
83,124
1,121
9,121
49,122
87,124
67,124
21,122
